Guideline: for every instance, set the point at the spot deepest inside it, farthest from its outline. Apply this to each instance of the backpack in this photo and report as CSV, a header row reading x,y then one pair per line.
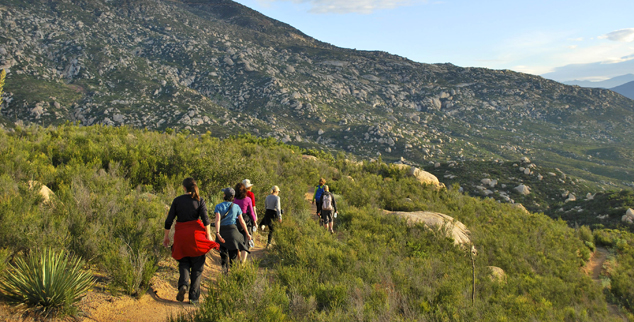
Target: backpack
x,y
320,192
327,202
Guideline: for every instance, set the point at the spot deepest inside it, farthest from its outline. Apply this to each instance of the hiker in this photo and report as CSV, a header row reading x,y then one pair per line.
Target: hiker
x,y
319,190
231,241
248,215
247,183
192,239
273,212
328,208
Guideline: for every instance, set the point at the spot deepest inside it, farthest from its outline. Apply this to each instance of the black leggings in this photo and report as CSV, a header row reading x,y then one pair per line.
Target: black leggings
x,y
269,220
191,267
228,256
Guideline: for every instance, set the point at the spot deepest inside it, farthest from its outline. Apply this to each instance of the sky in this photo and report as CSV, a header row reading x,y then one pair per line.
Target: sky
x,y
538,36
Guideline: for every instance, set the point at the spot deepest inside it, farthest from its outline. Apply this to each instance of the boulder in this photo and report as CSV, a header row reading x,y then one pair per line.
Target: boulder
x,y
523,189
424,177
486,182
309,157
628,218
571,197
44,191
590,196
526,160
527,171
521,207
456,230
497,274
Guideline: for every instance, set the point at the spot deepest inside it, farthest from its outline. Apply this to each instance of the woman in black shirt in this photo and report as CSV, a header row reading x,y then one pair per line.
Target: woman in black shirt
x,y
192,239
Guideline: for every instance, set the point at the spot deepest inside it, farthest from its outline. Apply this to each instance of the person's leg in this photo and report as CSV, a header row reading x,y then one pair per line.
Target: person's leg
x,y
184,266
198,264
332,224
233,254
224,259
271,229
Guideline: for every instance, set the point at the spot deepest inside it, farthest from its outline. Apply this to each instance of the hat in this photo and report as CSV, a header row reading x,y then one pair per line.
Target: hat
x,y
247,183
229,192
275,188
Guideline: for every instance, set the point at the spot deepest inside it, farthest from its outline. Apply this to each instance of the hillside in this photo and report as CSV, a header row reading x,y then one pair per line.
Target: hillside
x,y
608,83
626,90
217,66
110,188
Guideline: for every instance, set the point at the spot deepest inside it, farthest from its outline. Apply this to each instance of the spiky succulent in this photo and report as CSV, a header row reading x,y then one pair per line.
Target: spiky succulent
x,y
46,279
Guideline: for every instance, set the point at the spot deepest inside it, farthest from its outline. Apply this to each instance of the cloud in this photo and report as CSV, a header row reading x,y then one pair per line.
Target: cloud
x,y
623,35
351,6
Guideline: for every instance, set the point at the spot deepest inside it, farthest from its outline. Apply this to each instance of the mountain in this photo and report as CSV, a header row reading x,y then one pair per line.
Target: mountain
x,y
217,66
626,90
592,70
609,83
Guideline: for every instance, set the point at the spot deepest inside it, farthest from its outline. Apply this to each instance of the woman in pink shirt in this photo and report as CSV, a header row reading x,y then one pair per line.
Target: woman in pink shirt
x,y
246,205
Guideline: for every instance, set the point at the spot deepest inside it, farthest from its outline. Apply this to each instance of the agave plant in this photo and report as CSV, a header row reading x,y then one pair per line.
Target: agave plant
x,y
46,279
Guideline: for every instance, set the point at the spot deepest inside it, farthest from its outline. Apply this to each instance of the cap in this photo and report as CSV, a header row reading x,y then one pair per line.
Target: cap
x,y
247,183
229,192
275,188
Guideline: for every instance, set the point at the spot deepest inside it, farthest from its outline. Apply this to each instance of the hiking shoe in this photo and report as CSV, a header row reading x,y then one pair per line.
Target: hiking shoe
x,y
181,293
332,231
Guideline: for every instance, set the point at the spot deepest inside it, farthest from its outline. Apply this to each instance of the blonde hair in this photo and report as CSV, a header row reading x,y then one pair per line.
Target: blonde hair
x,y
322,181
326,188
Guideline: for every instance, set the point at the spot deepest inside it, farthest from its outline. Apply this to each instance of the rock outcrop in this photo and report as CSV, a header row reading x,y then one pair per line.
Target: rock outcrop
x,y
628,218
43,190
456,230
523,189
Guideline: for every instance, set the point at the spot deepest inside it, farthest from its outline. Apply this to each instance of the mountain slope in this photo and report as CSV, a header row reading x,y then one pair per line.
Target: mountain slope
x,y
221,67
612,82
626,90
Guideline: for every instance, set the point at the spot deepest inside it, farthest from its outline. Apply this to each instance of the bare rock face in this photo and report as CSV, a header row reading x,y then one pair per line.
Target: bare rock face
x,y
423,176
44,191
523,189
628,218
497,274
456,230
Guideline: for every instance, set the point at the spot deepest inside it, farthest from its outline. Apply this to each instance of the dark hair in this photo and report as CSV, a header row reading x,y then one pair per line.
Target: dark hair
x,y
228,198
241,191
191,187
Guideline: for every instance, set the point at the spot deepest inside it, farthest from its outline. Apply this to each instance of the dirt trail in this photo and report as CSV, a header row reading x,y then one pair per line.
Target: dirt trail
x,y
594,267
159,304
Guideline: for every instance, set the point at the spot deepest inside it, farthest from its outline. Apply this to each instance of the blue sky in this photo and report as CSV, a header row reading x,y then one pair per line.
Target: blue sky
x,y
528,36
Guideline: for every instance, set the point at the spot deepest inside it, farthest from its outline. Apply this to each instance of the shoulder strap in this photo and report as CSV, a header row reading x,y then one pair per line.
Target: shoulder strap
x,y
229,209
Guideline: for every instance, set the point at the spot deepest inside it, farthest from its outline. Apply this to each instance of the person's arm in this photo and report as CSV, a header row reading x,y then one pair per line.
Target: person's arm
x,y
220,239
251,210
278,207
244,225
204,217
334,202
168,224
315,194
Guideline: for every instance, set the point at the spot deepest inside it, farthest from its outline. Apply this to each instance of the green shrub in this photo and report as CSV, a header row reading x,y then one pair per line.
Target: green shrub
x,y
130,269
46,279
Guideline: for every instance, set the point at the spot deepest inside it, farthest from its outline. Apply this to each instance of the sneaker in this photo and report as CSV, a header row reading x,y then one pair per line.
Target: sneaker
x,y
181,293
332,231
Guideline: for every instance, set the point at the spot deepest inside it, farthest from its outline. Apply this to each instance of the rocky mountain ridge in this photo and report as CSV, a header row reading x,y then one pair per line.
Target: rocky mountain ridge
x,y
217,66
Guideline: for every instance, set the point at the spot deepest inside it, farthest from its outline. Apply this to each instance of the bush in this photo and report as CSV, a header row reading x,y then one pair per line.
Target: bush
x,y
47,279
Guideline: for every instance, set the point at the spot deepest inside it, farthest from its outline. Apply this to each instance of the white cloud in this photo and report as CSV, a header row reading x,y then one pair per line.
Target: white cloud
x,y
623,35
351,6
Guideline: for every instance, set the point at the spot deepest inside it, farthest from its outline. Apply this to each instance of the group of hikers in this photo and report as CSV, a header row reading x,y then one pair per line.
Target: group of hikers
x,y
236,220
235,223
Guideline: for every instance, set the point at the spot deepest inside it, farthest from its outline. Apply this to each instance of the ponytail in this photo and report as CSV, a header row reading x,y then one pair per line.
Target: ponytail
x,y
191,187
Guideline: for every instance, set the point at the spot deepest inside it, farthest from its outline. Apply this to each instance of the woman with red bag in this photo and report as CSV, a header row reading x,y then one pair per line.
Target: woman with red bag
x,y
192,239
